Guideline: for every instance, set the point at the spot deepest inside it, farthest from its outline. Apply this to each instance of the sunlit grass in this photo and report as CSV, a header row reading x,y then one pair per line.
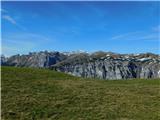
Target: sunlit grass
x,y
40,94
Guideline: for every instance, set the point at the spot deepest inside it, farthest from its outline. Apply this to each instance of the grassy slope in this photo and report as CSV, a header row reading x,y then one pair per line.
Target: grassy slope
x,y
34,94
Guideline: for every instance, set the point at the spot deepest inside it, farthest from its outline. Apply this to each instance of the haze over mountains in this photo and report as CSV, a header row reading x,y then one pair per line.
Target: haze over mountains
x,y
103,65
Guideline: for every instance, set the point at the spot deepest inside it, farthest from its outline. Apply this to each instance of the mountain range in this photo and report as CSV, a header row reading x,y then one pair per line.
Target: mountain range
x,y
100,64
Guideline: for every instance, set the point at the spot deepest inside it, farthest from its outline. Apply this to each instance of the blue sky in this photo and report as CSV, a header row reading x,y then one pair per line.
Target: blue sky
x,y
123,27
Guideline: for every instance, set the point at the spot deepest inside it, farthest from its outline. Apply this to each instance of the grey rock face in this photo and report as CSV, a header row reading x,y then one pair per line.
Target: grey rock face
x,y
103,65
39,60
112,66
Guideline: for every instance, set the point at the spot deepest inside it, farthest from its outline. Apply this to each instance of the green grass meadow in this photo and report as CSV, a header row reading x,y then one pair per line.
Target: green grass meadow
x,y
40,94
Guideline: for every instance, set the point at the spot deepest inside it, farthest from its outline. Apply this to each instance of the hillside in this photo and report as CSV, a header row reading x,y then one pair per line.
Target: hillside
x,y
40,94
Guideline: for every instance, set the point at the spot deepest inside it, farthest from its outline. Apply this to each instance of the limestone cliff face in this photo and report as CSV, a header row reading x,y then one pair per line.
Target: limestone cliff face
x,y
103,65
36,59
117,67
113,69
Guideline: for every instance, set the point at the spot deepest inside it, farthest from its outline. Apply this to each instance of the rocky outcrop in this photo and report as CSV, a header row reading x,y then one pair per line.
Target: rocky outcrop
x,y
35,59
103,65
111,66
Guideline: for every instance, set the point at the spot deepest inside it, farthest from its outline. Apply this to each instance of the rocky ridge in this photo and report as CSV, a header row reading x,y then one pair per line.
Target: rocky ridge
x,y
103,65
43,59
